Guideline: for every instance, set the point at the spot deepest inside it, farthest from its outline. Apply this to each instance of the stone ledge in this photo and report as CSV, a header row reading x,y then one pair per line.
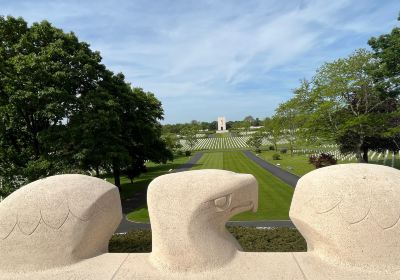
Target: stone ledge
x,y
349,215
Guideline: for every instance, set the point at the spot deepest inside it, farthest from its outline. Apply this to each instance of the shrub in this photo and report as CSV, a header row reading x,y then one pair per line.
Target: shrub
x,y
188,153
138,241
271,148
322,160
179,153
251,239
276,156
269,240
258,151
283,151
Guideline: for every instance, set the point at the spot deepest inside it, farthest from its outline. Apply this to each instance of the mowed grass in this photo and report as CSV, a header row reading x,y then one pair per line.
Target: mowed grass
x,y
154,170
211,161
298,163
274,196
223,135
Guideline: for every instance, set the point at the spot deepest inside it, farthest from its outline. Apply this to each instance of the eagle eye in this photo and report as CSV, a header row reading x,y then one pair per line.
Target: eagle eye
x,y
223,203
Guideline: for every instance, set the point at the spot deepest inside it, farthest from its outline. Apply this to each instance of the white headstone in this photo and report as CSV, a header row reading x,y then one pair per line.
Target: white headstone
x,y
386,156
393,158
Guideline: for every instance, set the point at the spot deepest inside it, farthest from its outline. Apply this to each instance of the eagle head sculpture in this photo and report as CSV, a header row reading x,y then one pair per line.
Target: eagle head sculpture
x,y
188,212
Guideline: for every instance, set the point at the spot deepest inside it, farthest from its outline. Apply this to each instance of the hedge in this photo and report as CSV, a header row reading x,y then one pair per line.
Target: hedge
x,y
251,239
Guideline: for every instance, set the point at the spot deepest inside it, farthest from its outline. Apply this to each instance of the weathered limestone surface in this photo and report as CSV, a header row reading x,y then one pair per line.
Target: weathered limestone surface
x,y
57,221
349,214
59,227
188,216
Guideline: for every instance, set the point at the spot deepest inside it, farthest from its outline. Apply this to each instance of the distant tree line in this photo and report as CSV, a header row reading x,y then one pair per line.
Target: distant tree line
x,y
211,126
62,111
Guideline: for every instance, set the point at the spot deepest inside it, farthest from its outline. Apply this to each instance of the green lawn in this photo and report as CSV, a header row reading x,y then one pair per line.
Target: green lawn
x,y
274,196
298,163
153,170
213,160
223,135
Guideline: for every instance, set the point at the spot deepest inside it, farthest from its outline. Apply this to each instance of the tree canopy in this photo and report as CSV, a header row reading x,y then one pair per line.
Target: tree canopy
x,y
61,110
353,101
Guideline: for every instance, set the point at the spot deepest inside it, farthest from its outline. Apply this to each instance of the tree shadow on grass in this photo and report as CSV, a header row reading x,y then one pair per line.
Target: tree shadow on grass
x,y
186,166
133,195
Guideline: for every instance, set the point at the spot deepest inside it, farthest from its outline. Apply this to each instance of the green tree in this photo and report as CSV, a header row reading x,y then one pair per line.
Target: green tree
x,y
118,128
273,131
343,104
212,126
189,134
44,73
172,142
255,140
387,50
387,79
290,119
245,125
249,119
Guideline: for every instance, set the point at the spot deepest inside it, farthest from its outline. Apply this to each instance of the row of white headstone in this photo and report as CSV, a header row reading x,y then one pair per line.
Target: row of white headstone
x,y
349,157
221,143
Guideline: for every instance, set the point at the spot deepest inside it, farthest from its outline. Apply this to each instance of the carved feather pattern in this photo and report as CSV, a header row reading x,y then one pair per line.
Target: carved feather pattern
x,y
357,202
51,206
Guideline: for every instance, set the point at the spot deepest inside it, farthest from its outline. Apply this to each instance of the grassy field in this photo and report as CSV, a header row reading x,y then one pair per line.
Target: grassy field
x,y
223,135
153,170
274,195
298,163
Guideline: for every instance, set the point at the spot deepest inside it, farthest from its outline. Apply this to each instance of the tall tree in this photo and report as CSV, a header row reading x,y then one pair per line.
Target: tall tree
x,y
245,125
290,120
255,140
172,142
249,119
118,127
98,128
387,78
342,103
44,72
273,131
189,134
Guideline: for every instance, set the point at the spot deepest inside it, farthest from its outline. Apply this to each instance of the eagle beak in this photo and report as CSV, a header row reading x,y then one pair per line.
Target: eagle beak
x,y
248,195
255,207
252,189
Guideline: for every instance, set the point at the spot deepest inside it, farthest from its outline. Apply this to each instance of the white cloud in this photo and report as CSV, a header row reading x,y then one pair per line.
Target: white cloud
x,y
215,52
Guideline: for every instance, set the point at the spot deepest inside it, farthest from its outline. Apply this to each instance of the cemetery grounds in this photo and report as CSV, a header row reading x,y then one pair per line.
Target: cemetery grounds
x,y
226,152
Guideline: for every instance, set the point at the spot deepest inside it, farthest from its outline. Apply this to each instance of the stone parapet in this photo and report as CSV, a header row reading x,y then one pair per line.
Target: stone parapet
x,y
59,228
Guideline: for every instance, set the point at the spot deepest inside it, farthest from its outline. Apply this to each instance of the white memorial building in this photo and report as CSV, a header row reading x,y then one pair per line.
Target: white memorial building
x,y
221,125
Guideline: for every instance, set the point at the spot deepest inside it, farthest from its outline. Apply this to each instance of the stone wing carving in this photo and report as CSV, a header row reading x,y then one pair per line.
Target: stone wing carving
x,y
350,213
61,219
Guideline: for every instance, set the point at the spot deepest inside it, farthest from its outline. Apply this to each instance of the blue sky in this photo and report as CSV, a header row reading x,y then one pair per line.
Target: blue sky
x,y
203,59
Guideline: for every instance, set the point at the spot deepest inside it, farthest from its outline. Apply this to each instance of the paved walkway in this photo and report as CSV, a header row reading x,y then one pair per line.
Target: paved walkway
x,y
126,225
190,163
284,175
